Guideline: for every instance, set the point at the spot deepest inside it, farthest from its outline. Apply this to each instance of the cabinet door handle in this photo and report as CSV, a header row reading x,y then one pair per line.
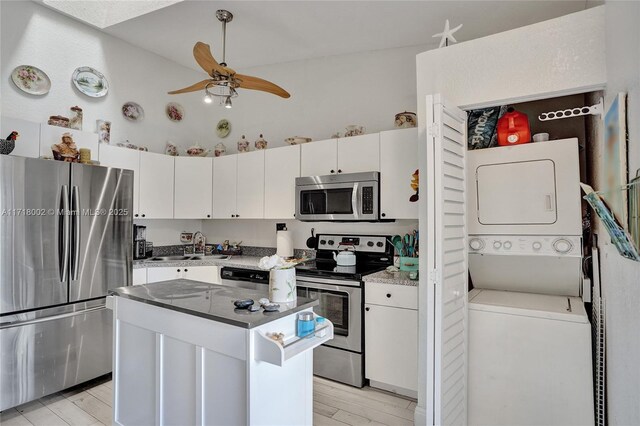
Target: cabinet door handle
x,y
143,215
389,295
383,214
135,215
208,215
178,270
366,309
333,171
237,215
339,170
233,215
186,270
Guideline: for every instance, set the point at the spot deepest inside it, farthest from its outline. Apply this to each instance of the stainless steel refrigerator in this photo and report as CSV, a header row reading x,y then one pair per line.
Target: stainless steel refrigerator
x,y
65,240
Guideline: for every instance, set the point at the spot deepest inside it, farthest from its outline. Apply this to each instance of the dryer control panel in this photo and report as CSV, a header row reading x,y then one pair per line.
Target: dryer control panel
x,y
544,245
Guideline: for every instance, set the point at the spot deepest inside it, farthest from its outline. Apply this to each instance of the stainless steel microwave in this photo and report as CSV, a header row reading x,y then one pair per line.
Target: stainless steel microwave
x,y
340,197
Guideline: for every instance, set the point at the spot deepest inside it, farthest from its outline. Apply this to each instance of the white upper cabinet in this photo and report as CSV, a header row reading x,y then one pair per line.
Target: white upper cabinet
x,y
281,168
399,161
156,186
225,179
359,154
250,190
124,158
193,187
319,158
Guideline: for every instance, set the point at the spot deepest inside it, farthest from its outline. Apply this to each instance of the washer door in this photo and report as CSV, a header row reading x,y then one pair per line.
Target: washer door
x,y
521,193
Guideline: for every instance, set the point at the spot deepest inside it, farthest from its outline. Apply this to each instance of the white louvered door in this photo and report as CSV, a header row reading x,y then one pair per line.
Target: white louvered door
x,y
446,263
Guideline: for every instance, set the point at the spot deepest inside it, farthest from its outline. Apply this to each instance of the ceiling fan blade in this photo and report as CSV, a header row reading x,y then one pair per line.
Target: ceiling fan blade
x,y
194,87
204,58
255,83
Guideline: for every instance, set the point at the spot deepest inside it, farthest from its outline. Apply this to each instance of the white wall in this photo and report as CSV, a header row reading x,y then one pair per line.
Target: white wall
x,y
263,232
327,94
499,67
35,35
621,277
166,232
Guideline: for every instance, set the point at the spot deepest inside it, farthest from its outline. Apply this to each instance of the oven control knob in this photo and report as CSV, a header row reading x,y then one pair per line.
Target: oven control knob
x,y
379,244
323,242
370,243
330,242
497,244
562,245
476,244
507,245
537,245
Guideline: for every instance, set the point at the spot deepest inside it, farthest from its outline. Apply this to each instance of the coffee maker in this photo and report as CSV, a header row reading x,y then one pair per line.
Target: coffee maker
x,y
139,242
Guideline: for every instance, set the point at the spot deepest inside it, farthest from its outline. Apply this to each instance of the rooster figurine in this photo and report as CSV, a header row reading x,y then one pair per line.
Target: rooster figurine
x,y
7,145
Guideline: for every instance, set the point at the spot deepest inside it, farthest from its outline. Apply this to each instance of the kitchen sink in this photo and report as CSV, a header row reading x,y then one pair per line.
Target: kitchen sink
x,y
179,258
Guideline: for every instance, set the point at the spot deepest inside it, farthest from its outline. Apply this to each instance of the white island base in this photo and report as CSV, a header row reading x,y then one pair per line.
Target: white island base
x,y
174,368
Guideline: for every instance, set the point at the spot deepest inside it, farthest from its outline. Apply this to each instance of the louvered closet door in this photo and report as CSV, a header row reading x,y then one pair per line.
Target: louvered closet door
x,y
446,263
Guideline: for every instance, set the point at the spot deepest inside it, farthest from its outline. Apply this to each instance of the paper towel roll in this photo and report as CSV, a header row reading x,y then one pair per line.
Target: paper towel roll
x,y
284,244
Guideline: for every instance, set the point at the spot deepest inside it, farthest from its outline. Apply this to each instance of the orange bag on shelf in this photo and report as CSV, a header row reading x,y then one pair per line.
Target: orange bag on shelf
x,y
513,128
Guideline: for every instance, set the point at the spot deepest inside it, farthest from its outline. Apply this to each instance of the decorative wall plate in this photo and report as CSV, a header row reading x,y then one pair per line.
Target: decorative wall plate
x,y
223,128
90,82
132,111
175,111
31,80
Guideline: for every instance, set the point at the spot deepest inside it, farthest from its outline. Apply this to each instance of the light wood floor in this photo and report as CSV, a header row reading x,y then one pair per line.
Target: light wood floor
x,y
334,404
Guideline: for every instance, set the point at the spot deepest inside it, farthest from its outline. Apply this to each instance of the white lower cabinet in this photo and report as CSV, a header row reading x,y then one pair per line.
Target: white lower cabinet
x,y
139,276
391,340
208,274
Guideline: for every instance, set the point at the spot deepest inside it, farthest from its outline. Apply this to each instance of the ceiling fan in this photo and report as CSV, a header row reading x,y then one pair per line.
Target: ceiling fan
x,y
223,80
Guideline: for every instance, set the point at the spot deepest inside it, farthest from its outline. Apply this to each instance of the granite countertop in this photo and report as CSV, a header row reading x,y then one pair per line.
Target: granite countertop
x,y
397,278
246,262
210,301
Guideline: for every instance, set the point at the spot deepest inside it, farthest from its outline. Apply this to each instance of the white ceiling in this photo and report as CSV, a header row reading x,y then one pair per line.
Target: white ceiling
x,y
267,32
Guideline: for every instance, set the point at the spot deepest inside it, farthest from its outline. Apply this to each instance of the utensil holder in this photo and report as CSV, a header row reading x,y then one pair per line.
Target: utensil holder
x,y
408,263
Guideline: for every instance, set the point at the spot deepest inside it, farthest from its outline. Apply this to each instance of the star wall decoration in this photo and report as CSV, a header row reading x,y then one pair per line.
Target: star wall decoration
x,y
447,34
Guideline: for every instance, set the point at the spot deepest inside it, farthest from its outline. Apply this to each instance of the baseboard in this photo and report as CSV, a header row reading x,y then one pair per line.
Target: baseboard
x,y
420,416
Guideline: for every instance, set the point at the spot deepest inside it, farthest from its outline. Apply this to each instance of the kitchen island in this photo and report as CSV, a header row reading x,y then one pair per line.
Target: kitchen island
x,y
184,355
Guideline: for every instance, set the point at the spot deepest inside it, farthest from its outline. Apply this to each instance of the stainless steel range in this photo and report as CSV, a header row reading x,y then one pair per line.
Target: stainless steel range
x,y
340,291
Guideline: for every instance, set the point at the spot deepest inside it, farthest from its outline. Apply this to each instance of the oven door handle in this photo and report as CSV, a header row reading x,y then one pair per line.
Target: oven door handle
x,y
334,287
354,200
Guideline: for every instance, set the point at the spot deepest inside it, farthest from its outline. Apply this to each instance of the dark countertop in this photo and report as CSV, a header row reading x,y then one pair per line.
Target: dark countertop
x,y
210,301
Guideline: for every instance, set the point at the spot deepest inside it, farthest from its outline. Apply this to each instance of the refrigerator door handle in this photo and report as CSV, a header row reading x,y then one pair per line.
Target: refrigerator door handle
x,y
51,318
63,234
75,207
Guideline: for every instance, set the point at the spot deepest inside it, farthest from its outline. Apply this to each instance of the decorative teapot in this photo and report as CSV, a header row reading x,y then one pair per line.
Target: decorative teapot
x,y
345,257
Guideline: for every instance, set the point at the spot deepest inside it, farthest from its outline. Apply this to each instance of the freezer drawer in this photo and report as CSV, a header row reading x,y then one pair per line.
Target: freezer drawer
x,y
47,354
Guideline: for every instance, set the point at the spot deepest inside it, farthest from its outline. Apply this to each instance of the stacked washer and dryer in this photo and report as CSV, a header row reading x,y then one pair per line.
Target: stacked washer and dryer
x,y
529,334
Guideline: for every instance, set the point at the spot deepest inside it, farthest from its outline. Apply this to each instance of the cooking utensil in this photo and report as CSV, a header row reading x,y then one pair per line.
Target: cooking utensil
x,y
396,240
312,241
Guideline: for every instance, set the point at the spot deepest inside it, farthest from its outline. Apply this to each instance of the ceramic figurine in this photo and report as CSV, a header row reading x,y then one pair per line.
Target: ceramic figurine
x,y
58,120
197,151
243,145
7,145
353,130
104,131
75,122
297,140
219,150
66,150
405,120
415,185
261,143
171,149
85,155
